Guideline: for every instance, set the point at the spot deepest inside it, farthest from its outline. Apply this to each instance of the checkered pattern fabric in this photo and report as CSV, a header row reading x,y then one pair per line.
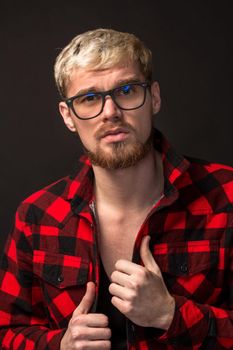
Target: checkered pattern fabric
x,y
51,254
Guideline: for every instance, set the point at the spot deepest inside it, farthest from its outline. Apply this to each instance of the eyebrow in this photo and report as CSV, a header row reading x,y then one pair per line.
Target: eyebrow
x,y
93,89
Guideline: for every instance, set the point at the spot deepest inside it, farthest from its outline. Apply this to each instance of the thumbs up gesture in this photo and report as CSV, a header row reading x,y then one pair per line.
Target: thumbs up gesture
x,y
139,292
87,330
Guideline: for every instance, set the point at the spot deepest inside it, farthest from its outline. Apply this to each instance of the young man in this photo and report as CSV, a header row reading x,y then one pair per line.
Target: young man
x,y
134,250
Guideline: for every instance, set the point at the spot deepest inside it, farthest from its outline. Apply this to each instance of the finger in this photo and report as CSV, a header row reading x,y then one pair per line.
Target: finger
x,y
84,333
87,300
119,304
119,291
146,256
120,278
94,345
127,267
90,320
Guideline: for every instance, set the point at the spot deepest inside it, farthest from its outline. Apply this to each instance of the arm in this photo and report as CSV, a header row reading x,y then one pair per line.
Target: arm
x,y
23,320
199,325
26,320
140,293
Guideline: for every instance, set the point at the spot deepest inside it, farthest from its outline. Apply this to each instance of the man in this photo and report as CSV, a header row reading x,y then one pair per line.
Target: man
x,y
134,250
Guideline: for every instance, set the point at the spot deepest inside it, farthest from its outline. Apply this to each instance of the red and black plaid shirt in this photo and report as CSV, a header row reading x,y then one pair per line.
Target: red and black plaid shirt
x,y
51,254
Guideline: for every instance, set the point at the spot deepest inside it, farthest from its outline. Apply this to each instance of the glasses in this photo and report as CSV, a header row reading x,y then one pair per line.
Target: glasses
x,y
91,104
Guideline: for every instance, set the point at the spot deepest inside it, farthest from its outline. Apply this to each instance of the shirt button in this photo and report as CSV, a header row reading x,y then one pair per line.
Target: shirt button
x,y
60,279
184,268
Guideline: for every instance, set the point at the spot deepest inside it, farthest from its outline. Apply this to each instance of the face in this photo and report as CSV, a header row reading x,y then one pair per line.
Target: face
x,y
116,138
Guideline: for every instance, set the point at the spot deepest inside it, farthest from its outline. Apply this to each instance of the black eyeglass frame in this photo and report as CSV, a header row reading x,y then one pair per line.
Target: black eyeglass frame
x,y
103,94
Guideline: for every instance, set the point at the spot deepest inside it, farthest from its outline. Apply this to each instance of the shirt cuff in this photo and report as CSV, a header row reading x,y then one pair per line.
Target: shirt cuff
x,y
189,326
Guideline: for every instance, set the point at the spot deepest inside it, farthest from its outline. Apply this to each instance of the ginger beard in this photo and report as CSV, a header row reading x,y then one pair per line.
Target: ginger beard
x,y
122,154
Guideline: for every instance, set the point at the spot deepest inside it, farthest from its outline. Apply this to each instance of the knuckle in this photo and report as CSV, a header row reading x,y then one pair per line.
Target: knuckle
x,y
72,322
142,276
128,308
79,334
73,333
135,284
72,329
143,273
77,319
133,295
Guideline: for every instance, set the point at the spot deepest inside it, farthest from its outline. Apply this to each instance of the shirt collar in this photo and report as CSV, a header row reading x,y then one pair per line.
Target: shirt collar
x,y
174,166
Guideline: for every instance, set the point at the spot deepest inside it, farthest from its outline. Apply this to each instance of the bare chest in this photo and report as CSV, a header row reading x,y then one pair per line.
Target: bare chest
x,y
116,240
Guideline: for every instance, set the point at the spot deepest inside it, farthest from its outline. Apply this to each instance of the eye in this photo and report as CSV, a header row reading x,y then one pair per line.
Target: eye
x,y
126,89
88,98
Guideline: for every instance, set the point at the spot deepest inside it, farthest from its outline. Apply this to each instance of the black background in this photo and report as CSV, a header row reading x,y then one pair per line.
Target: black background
x,y
192,46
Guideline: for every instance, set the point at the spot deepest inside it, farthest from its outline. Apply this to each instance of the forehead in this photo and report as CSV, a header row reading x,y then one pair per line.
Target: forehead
x,y
102,79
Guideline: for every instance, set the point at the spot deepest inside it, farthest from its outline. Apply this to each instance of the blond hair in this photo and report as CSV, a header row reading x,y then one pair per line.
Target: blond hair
x,y
101,49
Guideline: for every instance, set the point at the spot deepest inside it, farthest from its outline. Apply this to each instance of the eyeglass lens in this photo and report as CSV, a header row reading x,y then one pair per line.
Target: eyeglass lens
x,y
129,96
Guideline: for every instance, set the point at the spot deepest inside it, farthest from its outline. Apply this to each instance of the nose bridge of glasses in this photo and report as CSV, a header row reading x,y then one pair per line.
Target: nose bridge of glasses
x,y
110,94
110,106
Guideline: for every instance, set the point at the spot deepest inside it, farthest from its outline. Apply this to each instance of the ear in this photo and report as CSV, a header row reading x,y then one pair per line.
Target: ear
x,y
67,116
155,96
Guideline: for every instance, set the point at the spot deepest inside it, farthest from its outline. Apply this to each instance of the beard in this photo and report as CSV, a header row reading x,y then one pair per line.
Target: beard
x,y
123,154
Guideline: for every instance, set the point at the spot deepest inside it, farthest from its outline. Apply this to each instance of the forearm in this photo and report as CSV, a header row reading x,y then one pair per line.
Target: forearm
x,y
31,337
195,324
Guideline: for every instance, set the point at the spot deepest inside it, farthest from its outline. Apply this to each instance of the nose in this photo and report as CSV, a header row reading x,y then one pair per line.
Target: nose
x,y
111,111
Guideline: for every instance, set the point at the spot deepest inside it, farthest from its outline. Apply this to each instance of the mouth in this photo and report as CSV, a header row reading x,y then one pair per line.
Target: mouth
x,y
115,135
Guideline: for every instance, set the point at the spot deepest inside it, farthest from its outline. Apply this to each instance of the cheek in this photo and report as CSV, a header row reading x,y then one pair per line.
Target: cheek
x,y
147,130
85,134
144,126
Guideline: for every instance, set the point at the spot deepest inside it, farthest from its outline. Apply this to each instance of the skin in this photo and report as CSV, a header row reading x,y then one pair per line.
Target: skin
x,y
103,80
137,291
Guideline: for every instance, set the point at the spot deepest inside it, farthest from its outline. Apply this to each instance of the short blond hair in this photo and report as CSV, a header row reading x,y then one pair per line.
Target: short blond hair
x,y
101,49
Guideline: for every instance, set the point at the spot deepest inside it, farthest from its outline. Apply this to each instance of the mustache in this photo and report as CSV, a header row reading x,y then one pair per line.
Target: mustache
x,y
103,130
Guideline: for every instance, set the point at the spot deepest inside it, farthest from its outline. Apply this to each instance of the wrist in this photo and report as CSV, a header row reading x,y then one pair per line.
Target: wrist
x,y
166,318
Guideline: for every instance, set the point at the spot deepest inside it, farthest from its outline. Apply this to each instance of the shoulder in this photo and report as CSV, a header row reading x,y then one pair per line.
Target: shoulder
x,y
52,204
201,169
207,186
44,202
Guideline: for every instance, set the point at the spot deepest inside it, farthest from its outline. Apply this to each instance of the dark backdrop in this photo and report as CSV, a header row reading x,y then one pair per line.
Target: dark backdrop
x,y
192,46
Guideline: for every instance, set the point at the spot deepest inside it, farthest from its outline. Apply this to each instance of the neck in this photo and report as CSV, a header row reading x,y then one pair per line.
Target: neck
x,y
133,187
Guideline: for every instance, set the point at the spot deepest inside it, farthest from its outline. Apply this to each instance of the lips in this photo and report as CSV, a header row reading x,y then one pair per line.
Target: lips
x,y
113,132
114,135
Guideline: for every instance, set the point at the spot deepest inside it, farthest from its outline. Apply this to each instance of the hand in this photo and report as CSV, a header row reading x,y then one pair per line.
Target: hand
x,y
87,330
139,292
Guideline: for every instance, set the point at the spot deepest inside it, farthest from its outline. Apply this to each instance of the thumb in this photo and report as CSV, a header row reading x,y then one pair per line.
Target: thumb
x,y
87,300
146,256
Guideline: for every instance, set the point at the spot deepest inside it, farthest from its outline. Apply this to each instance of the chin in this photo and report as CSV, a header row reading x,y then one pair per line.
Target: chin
x,y
120,155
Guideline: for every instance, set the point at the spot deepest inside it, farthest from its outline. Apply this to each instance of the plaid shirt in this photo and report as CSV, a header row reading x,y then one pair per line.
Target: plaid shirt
x,y
51,254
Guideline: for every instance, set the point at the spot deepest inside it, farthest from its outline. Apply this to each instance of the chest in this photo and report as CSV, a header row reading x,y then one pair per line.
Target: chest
x,y
116,239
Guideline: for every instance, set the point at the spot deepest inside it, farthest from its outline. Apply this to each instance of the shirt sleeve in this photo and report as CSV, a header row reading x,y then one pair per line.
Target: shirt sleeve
x,y
209,325
196,326
24,323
